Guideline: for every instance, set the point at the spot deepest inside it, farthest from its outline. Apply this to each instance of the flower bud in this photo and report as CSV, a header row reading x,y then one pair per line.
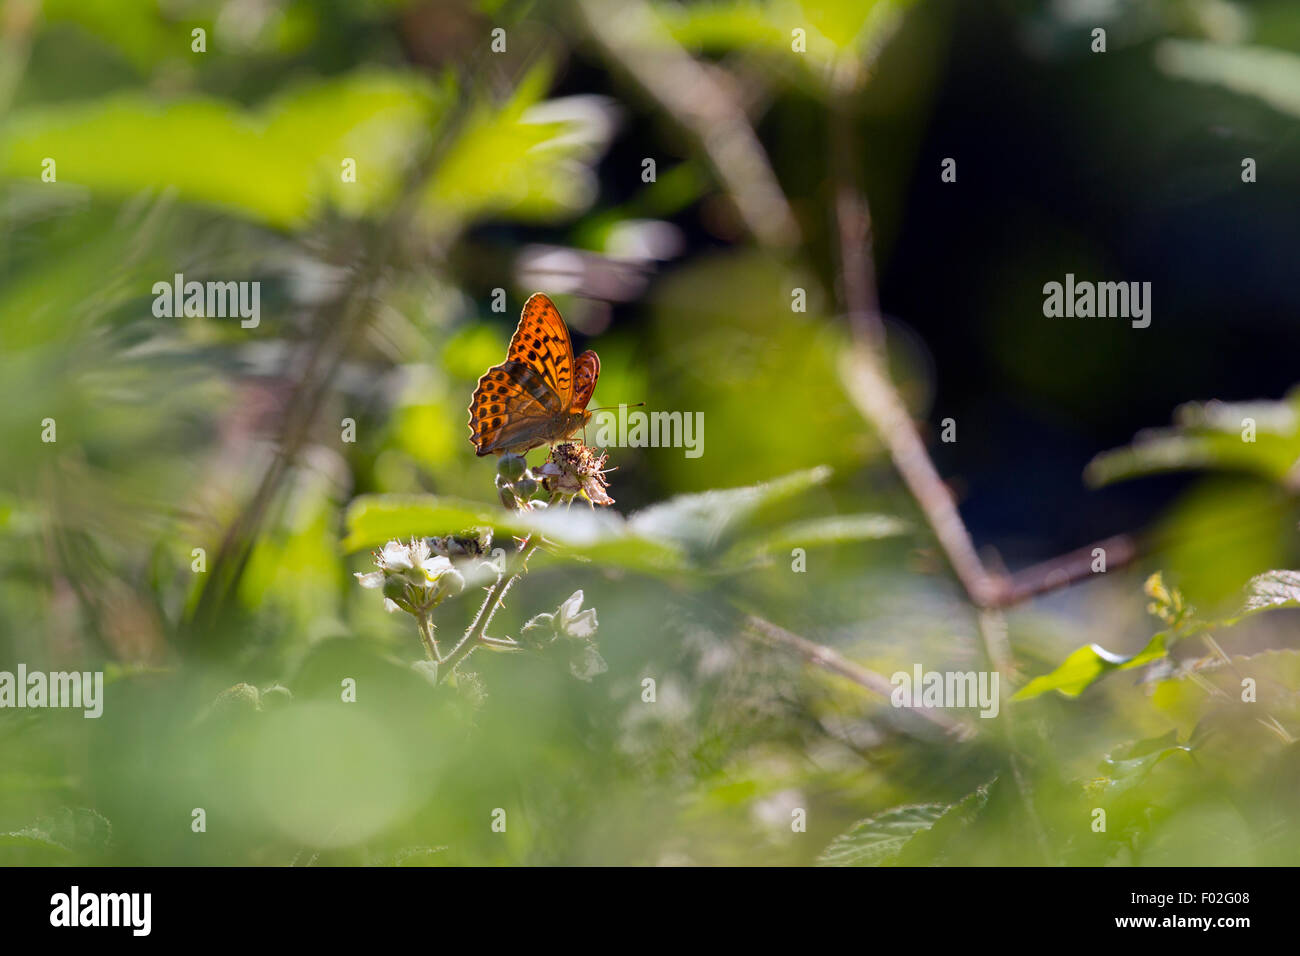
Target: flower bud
x,y
395,590
511,467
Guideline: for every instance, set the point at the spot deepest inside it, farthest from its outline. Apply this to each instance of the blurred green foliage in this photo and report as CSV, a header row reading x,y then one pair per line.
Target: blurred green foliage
x,y
194,530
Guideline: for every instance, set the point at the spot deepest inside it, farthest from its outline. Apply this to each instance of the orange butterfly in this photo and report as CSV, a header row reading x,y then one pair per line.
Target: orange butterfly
x,y
539,394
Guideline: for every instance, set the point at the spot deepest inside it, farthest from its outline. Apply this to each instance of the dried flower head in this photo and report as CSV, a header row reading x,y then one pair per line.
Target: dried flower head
x,y
470,543
574,470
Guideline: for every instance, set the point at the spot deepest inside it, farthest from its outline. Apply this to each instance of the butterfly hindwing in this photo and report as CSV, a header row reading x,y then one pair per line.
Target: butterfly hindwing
x,y
585,372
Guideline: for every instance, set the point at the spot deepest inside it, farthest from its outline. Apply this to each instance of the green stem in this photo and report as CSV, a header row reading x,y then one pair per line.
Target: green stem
x,y
476,634
426,637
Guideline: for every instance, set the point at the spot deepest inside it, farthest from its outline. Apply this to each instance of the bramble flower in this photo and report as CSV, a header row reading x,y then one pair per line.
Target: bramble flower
x,y
575,626
413,579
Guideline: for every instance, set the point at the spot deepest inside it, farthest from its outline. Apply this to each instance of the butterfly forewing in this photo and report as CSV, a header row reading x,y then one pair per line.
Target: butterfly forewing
x,y
541,341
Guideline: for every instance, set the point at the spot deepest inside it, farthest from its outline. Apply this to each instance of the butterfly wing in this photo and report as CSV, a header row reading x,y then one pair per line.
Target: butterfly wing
x,y
586,371
541,342
511,406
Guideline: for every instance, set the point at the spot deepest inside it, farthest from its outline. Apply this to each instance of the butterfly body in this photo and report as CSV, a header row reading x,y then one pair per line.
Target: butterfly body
x,y
539,394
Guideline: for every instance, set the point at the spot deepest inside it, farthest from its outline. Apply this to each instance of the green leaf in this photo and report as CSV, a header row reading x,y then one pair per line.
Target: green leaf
x,y
1209,435
1269,74
1265,592
703,523
70,830
1270,591
32,838
1127,766
878,840
930,846
373,520
685,532
279,164
528,158
832,28
836,529
1089,664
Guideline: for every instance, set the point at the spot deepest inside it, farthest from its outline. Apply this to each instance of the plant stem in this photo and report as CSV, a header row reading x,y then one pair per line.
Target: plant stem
x,y
426,636
828,659
476,634
635,41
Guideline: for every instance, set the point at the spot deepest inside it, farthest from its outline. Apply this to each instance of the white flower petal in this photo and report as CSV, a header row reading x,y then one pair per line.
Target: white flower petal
x,y
371,579
395,557
588,664
570,608
435,566
583,626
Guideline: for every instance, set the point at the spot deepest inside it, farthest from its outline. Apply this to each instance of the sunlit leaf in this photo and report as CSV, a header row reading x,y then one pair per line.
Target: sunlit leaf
x,y
878,840
1088,664
279,164
702,522
1212,435
1270,591
526,158
1127,766
1269,74
815,532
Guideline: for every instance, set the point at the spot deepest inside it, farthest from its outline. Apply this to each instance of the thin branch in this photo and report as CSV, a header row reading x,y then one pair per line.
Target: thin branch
x,y
878,400
857,276
1064,570
632,37
875,397
824,657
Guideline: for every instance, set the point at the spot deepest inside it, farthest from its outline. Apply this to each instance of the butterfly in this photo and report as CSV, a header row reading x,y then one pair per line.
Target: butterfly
x,y
539,394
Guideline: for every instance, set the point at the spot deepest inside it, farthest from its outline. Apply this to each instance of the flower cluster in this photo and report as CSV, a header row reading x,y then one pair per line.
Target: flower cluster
x,y
413,578
418,575
572,470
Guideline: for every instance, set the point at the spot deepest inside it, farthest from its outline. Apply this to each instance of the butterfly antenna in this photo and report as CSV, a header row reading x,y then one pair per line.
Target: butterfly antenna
x,y
605,408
